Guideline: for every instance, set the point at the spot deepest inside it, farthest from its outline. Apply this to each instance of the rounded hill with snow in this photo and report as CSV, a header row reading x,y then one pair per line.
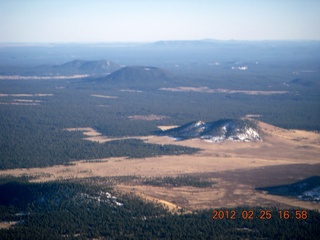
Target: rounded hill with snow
x,y
240,130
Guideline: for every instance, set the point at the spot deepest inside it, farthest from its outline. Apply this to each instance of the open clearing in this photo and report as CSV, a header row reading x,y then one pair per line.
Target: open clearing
x,y
7,225
19,77
283,157
104,96
221,90
23,102
151,117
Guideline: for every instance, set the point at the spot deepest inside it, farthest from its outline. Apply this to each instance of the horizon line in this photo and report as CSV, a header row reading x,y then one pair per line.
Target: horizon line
x,y
157,41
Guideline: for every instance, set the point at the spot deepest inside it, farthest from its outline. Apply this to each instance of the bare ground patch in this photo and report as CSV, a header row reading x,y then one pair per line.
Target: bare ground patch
x,y
7,225
94,136
19,77
151,117
26,95
19,103
23,102
104,96
221,90
163,128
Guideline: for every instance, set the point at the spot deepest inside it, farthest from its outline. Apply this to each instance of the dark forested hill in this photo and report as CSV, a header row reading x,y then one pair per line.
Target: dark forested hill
x,y
75,67
306,189
140,77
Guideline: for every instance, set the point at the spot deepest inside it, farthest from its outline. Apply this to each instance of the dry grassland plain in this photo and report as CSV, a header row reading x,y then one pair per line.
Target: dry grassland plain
x,y
237,168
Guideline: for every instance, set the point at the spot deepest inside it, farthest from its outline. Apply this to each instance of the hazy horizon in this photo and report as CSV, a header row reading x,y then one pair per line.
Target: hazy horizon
x,y
136,43
145,21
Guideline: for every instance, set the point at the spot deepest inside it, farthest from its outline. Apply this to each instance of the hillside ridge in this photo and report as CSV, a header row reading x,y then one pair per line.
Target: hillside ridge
x,y
88,67
240,130
141,77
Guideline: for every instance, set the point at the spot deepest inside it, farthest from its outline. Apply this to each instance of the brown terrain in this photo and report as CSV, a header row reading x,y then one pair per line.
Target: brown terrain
x,y
236,168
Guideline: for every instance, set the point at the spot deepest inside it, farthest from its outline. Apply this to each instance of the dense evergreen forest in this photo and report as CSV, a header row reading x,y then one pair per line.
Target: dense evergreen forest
x,y
34,135
82,210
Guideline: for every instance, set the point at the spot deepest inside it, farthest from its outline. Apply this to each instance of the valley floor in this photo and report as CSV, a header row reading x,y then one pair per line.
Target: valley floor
x,y
237,168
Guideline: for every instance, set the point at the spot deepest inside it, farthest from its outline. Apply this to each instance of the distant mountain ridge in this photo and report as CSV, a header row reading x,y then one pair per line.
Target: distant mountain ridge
x,y
240,130
87,67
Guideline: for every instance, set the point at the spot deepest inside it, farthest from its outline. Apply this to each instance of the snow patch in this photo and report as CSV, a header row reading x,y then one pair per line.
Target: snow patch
x,y
241,68
311,195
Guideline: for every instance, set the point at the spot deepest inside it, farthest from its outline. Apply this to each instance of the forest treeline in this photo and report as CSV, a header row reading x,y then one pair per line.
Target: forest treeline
x,y
74,210
34,135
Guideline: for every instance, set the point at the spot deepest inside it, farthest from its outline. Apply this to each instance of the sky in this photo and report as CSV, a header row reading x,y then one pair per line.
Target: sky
x,y
61,21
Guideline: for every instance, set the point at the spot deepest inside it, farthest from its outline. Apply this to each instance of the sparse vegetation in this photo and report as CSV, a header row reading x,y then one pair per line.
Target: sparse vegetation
x,y
179,181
